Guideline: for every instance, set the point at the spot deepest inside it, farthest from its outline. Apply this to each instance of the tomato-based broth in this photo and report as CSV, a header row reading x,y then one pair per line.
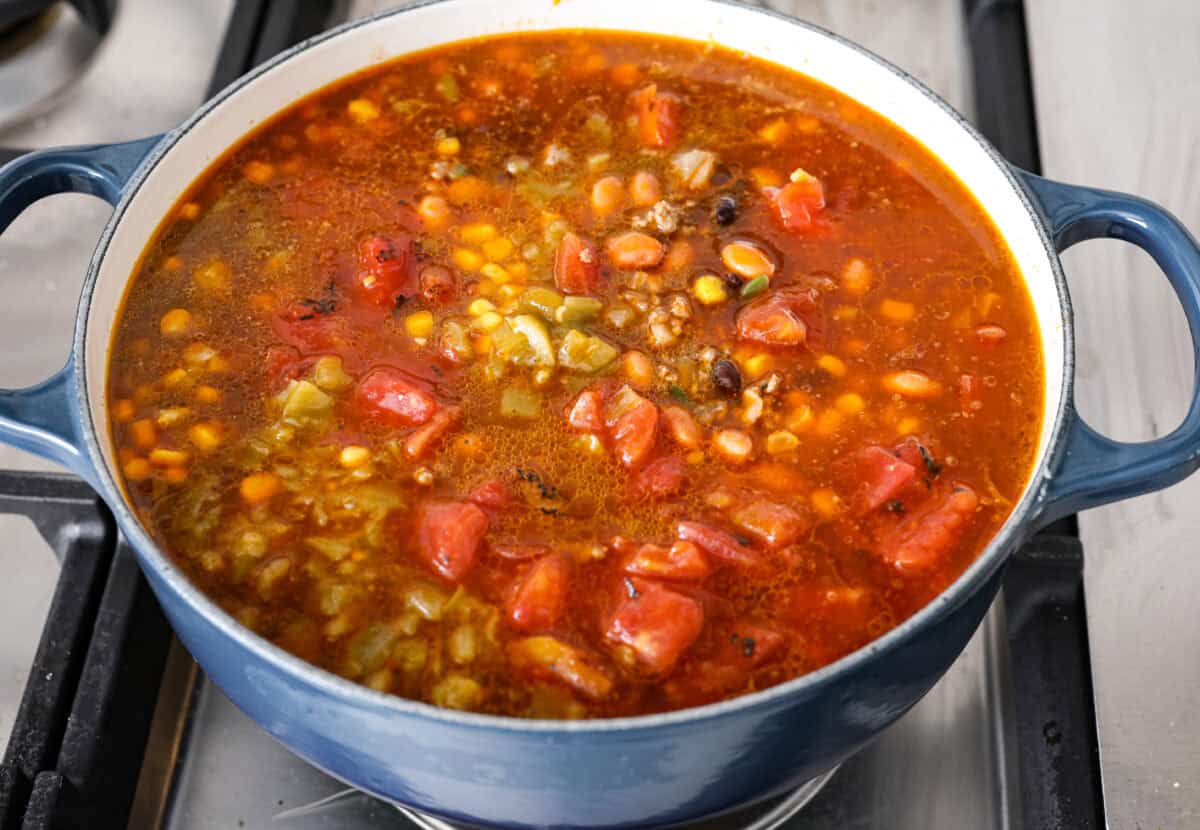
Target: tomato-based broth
x,y
575,375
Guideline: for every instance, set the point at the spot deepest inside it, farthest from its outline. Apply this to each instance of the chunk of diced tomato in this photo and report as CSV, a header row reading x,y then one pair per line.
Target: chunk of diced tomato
x,y
682,561
538,597
494,494
797,203
778,319
659,116
576,265
634,432
771,524
883,477
586,412
448,537
550,658
281,364
395,397
387,266
657,623
925,539
719,544
425,439
659,479
753,645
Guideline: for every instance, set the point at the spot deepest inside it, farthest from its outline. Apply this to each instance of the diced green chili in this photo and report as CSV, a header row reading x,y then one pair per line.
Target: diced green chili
x,y
447,87
577,310
516,402
755,287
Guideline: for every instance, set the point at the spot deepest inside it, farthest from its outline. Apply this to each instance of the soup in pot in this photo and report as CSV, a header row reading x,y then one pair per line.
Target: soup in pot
x,y
575,375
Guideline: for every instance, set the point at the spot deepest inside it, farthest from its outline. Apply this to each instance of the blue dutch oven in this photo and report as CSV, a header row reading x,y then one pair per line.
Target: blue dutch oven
x,y
624,772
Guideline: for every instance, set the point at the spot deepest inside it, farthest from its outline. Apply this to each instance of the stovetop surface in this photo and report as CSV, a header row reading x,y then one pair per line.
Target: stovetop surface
x,y
950,762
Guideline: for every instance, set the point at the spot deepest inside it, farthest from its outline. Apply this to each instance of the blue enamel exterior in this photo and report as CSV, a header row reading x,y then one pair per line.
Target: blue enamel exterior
x,y
44,419
626,772
1096,470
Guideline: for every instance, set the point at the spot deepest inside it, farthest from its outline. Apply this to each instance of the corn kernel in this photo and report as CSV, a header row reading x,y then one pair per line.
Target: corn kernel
x,y
733,445
198,354
833,365
510,291
826,502
189,211
123,410
850,404
897,311
362,110
758,365
776,132
434,212
257,488
542,377
908,426
177,378
477,233
419,324
483,344
781,441
354,456
498,249
218,363
766,177
467,259
856,277
801,418
175,475
488,321
213,277
172,416
176,323
709,289
143,433
136,469
519,270
205,437
449,146
829,421
258,172
480,307
207,394
169,458
495,273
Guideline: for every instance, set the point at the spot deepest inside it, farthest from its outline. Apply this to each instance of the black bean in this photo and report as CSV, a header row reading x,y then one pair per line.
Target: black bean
x,y
733,282
727,210
726,377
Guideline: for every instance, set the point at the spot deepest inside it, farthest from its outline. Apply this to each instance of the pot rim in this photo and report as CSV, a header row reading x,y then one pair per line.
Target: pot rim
x,y
985,565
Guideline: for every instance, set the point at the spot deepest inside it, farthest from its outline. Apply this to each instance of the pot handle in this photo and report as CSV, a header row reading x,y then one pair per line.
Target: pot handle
x,y
1093,469
44,418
